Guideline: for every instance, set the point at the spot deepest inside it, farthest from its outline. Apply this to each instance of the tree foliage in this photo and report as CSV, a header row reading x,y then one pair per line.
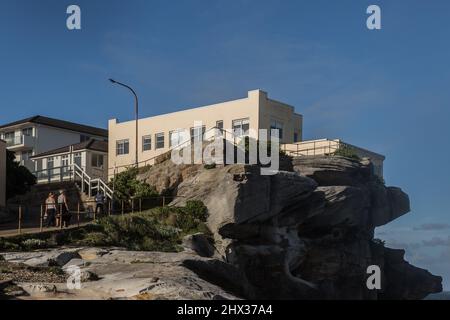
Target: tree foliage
x,y
127,186
348,152
18,178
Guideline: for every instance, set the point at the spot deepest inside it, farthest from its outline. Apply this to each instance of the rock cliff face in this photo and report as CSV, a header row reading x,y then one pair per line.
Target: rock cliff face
x,y
306,234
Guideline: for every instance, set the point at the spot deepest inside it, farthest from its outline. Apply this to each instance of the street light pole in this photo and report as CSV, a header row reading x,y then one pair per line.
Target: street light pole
x,y
136,110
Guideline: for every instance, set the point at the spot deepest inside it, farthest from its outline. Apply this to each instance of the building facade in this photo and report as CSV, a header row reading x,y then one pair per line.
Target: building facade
x,y
2,173
38,134
57,165
159,134
242,117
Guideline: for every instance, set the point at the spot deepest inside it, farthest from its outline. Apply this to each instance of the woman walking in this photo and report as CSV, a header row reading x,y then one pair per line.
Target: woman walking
x,y
50,210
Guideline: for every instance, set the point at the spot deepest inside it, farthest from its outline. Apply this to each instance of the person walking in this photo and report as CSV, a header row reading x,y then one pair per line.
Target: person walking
x,y
100,202
64,214
50,210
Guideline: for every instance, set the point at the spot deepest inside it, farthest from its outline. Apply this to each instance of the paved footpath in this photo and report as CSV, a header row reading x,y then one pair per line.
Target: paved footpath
x,y
14,232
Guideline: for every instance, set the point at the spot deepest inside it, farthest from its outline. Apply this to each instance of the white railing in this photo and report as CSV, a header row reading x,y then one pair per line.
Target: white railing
x,y
313,148
96,184
71,173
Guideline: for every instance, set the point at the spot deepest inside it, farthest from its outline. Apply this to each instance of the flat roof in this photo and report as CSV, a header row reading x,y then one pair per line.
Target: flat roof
x,y
212,105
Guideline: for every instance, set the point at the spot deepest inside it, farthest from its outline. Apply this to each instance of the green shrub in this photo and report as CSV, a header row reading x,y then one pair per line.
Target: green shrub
x,y
127,186
210,166
159,229
94,239
346,151
8,245
197,210
32,244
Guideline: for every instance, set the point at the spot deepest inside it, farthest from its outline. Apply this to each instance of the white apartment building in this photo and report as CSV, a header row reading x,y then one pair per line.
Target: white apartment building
x,y
39,134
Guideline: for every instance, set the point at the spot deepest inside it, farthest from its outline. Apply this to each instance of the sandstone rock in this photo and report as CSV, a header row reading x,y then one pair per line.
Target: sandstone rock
x,y
387,204
121,274
344,205
334,171
285,230
237,195
200,244
404,281
56,257
295,235
165,176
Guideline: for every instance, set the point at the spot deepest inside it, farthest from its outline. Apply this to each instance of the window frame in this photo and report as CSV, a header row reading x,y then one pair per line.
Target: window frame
x,y
193,135
146,146
24,131
97,157
157,143
219,128
275,124
78,155
181,137
241,123
126,150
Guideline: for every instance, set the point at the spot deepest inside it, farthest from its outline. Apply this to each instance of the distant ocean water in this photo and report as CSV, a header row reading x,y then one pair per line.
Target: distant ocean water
x,y
445,295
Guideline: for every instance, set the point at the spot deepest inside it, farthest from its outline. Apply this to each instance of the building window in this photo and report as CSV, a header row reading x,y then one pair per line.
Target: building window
x,y
64,161
176,138
9,136
97,160
295,137
219,128
159,138
241,127
84,138
122,147
146,143
38,165
77,159
197,133
50,163
65,164
277,125
26,155
27,132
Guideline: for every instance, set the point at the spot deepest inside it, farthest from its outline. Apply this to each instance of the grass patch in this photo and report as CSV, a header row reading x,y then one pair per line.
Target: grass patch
x,y
158,229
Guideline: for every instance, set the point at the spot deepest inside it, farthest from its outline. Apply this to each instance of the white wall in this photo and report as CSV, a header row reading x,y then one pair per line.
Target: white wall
x,y
49,138
46,138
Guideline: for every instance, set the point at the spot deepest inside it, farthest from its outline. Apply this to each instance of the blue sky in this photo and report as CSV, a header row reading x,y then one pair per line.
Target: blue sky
x,y
386,90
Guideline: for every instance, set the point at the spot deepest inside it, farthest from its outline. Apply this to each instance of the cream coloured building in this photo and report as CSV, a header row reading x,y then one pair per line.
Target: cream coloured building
x,y
160,133
2,173
157,135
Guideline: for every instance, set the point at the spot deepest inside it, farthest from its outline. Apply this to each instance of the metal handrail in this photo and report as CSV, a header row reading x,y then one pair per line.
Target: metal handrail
x,y
93,184
331,148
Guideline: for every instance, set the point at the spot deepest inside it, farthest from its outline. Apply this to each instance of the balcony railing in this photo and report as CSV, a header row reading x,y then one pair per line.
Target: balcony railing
x,y
18,141
10,142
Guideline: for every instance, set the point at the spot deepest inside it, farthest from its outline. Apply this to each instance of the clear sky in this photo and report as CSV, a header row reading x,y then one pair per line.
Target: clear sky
x,y
386,90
